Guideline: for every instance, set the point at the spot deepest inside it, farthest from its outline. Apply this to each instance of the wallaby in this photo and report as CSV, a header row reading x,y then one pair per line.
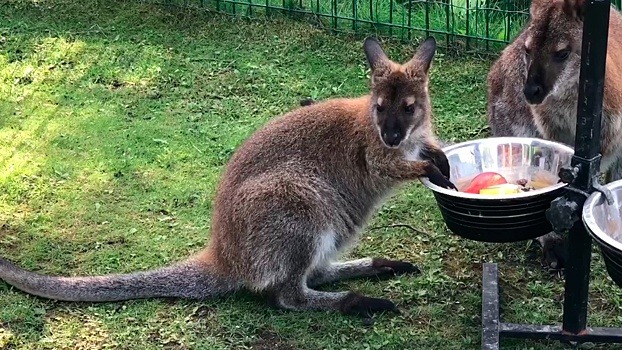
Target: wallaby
x,y
552,56
508,111
536,80
509,114
293,197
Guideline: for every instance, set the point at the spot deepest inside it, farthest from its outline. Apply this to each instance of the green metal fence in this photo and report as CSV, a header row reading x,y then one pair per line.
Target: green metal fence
x,y
463,25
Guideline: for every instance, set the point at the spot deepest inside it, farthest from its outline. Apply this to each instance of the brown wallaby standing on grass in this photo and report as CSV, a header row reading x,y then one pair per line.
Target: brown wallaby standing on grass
x,y
293,197
540,70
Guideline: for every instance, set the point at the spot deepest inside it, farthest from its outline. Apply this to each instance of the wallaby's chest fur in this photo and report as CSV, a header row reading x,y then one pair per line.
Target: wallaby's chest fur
x,y
556,116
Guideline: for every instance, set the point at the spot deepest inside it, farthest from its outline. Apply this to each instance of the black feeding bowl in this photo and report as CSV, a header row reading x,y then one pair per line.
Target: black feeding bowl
x,y
603,223
508,217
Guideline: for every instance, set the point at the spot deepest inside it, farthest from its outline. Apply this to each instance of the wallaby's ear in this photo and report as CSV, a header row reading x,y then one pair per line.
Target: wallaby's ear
x,y
375,55
425,53
574,8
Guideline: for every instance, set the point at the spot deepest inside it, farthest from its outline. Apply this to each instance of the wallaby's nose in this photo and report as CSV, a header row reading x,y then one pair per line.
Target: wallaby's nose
x,y
534,93
392,138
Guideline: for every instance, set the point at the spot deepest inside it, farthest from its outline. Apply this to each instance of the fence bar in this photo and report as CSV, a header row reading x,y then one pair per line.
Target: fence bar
x,y
391,16
468,14
487,19
427,18
410,16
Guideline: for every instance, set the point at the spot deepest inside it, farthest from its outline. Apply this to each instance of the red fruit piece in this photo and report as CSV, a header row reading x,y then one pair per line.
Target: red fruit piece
x,y
484,180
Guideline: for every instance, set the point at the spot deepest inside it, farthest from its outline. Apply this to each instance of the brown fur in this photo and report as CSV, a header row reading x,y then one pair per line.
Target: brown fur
x,y
292,198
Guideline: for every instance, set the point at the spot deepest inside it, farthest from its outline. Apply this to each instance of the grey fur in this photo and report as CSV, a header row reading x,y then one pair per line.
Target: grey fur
x,y
189,279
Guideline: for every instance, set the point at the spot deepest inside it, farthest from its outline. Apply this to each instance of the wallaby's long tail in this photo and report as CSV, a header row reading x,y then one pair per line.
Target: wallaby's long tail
x,y
190,279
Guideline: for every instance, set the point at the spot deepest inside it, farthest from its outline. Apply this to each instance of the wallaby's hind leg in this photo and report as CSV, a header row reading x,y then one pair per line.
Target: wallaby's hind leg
x,y
366,267
554,250
302,298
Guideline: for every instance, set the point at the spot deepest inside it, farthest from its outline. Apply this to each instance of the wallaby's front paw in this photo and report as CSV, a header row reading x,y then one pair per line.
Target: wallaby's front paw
x,y
360,305
438,158
436,177
394,267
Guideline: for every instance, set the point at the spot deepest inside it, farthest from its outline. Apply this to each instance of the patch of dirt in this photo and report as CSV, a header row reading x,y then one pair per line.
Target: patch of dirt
x,y
269,340
9,236
201,313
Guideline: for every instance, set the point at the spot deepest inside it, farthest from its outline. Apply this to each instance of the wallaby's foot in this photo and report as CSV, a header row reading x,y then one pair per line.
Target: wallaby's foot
x,y
306,102
366,267
360,305
554,250
350,303
394,267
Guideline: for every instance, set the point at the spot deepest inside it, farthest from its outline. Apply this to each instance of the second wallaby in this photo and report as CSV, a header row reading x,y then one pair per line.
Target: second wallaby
x,y
508,112
552,55
293,197
533,87
536,79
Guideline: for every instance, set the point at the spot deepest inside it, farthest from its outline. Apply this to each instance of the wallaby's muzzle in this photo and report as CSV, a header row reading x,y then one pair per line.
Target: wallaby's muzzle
x,y
392,134
534,93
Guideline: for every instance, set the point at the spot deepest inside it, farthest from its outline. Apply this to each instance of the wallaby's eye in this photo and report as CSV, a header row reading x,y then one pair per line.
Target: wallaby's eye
x,y
379,108
410,109
561,55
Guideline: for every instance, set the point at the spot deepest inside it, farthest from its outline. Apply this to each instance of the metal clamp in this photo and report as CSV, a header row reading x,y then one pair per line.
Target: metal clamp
x,y
563,212
569,174
604,190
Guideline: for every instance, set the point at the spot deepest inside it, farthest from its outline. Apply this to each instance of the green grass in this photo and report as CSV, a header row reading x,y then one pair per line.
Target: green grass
x,y
115,122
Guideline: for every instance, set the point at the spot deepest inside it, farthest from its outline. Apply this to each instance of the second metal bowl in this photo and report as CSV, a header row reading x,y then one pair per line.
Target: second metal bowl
x,y
603,223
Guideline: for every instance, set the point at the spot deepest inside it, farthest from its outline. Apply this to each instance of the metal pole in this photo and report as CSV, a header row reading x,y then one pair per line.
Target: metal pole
x,y
592,78
587,157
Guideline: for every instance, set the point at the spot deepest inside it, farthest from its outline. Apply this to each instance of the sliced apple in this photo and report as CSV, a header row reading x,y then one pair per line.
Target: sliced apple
x,y
501,189
484,180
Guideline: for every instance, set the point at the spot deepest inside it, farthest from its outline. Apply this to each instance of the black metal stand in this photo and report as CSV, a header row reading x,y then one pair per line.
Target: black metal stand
x,y
494,329
565,212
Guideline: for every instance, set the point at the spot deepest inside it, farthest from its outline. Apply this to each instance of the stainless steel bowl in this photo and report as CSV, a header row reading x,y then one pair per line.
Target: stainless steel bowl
x,y
502,218
602,226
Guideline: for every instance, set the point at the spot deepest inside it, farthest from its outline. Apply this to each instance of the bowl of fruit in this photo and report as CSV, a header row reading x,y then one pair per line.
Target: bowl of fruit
x,y
505,185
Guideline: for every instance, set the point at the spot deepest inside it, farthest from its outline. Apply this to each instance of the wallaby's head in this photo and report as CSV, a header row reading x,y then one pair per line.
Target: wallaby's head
x,y
400,102
552,48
